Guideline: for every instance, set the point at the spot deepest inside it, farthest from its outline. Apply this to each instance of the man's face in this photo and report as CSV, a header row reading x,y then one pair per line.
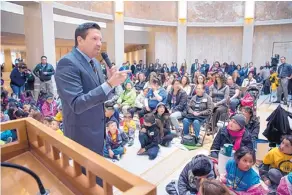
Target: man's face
x,y
283,60
44,60
196,60
91,45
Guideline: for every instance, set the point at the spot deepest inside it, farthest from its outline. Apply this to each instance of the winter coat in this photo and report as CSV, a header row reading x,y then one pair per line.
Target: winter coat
x,y
205,109
163,121
180,103
153,136
223,137
140,86
40,71
278,125
49,109
127,98
253,127
121,140
173,69
17,78
187,182
219,96
139,102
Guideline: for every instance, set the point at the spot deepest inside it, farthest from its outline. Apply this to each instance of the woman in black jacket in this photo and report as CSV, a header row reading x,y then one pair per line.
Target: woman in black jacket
x,y
235,133
176,102
139,86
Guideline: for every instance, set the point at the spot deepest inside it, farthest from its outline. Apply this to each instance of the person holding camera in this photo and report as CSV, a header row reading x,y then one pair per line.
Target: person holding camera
x,y
18,79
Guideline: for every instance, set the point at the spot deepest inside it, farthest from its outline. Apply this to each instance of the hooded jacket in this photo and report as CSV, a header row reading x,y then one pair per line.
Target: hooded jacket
x,y
128,97
187,182
223,137
163,121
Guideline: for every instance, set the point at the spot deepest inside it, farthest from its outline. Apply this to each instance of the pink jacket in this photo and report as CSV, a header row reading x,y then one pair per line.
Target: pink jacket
x,y
49,109
285,187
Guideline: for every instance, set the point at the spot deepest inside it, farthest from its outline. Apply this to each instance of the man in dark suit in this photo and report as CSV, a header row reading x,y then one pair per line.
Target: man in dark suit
x,y
83,89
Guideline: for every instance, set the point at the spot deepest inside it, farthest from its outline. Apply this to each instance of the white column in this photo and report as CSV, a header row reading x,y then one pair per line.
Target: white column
x,y
115,32
181,32
248,31
39,35
181,42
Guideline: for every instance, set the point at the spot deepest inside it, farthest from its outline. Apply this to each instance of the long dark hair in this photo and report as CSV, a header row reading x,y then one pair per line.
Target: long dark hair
x,y
242,151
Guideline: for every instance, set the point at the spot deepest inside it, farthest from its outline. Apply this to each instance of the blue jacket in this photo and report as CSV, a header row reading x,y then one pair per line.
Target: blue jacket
x,y
173,69
121,140
152,103
17,78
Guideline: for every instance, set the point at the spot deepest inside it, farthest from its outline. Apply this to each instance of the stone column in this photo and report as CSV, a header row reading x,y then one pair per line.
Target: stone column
x,y
247,41
7,60
181,42
248,30
39,36
115,40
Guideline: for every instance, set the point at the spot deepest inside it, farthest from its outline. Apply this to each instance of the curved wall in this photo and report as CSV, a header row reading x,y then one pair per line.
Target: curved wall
x,y
215,11
105,7
273,10
149,10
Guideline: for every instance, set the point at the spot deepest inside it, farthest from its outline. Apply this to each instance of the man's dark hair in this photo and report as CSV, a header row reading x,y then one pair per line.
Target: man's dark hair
x,y
82,29
44,57
149,118
202,166
22,65
110,122
156,80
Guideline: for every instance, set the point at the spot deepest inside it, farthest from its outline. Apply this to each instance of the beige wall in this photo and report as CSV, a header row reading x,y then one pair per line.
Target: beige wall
x,y
215,11
264,36
135,55
214,44
159,10
104,7
273,10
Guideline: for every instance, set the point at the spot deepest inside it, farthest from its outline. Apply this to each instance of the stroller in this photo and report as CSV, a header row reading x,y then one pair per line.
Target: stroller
x,y
251,96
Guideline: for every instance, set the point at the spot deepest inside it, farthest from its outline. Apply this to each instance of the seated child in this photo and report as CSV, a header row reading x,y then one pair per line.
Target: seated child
x,y
115,141
139,102
3,117
47,121
277,163
8,135
129,126
285,186
110,114
211,187
59,115
163,121
49,108
26,107
127,99
55,125
240,176
199,168
149,137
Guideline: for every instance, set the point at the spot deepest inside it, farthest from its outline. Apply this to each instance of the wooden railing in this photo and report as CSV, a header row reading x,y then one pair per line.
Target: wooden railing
x,y
65,159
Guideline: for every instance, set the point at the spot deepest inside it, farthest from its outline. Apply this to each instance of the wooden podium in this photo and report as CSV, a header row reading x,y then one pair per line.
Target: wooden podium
x,y
57,160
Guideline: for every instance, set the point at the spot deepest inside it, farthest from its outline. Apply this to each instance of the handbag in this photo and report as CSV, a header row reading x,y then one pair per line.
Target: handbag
x,y
189,140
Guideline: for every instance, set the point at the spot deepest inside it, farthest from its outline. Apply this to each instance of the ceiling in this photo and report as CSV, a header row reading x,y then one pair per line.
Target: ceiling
x,y
16,42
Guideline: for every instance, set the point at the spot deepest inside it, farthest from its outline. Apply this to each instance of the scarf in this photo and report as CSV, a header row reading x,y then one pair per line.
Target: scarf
x,y
238,137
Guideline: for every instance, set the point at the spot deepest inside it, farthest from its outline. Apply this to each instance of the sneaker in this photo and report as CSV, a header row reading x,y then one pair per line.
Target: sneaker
x,y
9,140
117,157
131,142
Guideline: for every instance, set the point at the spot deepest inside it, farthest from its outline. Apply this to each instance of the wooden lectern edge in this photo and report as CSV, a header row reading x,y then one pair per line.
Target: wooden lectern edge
x,y
106,170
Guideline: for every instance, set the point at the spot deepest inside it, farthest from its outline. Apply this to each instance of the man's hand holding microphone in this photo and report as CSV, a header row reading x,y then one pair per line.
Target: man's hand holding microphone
x,y
115,77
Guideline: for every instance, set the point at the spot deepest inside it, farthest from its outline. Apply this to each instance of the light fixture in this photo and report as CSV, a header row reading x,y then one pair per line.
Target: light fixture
x,y
249,9
119,6
182,10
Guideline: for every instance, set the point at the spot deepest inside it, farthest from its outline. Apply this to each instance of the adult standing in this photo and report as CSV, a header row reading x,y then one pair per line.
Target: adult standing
x,y
284,74
44,71
83,90
18,78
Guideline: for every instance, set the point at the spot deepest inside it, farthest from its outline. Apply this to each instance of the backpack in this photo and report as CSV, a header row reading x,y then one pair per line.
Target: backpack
x,y
189,140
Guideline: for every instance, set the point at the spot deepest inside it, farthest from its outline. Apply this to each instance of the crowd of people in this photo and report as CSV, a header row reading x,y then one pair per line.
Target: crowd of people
x,y
169,103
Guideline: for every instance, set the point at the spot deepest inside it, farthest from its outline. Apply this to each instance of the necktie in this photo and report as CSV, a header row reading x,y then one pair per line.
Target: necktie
x,y
92,65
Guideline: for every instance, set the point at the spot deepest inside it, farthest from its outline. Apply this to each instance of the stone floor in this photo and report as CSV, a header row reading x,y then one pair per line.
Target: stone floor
x,y
170,161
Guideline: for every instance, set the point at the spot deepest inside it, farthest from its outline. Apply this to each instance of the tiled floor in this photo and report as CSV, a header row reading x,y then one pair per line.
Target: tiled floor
x,y
170,161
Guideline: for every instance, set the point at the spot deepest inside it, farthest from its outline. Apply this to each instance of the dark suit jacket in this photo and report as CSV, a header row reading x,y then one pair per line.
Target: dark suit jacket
x,y
82,100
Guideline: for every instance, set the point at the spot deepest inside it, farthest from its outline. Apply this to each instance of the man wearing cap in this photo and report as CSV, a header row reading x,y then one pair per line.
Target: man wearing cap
x,y
234,134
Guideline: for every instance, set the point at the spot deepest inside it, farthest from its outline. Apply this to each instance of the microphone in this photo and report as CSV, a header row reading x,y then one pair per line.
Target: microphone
x,y
106,59
42,190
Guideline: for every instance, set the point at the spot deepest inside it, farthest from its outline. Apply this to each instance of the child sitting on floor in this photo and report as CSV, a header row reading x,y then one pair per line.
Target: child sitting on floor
x,y
129,126
149,137
285,186
163,121
49,108
55,125
199,168
115,141
47,121
277,163
213,187
240,176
